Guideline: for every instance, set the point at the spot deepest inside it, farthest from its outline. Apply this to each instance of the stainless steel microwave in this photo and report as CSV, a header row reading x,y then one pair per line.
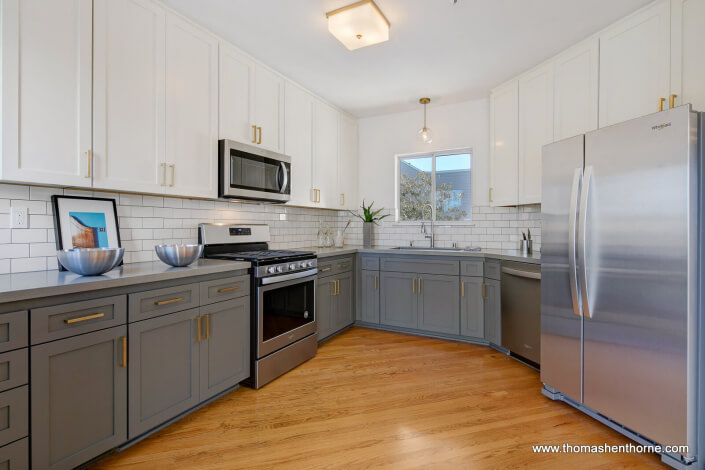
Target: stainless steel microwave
x,y
253,173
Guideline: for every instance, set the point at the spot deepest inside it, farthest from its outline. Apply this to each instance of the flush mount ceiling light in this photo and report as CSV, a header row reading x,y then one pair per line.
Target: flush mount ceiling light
x,y
425,133
358,25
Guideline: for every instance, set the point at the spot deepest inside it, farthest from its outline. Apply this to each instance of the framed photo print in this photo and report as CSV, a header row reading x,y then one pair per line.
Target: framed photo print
x,y
85,222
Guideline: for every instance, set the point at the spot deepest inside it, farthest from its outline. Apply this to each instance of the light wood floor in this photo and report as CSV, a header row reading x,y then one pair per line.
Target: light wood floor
x,y
373,399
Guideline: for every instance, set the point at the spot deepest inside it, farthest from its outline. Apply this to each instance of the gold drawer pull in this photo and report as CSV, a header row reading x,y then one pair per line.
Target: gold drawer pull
x,y
376,282
660,103
324,269
167,302
71,321
343,266
228,289
462,289
484,291
123,339
198,327
672,102
208,326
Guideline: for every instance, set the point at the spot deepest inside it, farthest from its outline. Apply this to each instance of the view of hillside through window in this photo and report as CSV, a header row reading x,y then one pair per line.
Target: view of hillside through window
x,y
440,180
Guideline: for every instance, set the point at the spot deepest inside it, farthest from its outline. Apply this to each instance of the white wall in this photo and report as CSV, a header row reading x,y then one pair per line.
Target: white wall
x,y
459,125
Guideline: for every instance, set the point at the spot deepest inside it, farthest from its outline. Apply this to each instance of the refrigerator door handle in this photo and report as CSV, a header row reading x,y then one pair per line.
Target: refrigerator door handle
x,y
572,245
582,232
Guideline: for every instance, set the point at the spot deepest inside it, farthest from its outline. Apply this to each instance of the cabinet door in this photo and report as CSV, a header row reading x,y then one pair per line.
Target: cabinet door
x,y
398,303
504,144
163,370
370,297
575,96
439,303
472,307
344,301
78,398
225,349
325,306
129,95
535,129
347,163
298,143
236,85
635,64
269,109
493,312
46,91
687,65
191,110
325,154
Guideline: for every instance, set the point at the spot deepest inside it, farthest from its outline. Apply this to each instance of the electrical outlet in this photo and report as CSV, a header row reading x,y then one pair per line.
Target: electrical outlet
x,y
282,216
19,217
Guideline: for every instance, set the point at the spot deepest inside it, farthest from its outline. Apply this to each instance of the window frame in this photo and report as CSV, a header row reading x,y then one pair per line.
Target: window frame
x,y
433,154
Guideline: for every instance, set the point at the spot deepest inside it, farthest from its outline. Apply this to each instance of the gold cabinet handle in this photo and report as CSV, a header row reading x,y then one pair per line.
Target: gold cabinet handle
x,y
413,286
342,199
71,321
338,281
198,329
89,164
491,195
462,289
208,326
660,103
484,291
173,169
228,289
163,165
334,287
672,101
254,134
259,139
343,266
325,269
123,339
376,283
167,302
419,285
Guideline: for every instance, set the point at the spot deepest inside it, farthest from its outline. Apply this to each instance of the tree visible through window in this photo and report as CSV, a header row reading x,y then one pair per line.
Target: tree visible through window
x,y
440,180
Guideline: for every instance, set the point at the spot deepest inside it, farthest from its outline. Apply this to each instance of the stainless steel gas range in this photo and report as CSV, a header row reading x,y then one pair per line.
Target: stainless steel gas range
x,y
283,296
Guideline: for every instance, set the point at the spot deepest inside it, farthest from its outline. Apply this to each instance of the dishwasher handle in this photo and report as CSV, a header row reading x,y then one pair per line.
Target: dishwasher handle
x,y
520,273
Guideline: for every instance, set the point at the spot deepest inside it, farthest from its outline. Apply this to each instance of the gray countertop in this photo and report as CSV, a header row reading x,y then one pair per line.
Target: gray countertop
x,y
23,286
511,255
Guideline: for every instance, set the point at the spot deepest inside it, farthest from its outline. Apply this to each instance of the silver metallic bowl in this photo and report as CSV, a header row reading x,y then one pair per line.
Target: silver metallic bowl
x,y
178,255
90,261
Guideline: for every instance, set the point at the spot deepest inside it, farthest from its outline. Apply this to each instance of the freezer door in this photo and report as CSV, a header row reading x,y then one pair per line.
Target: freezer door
x,y
561,323
638,251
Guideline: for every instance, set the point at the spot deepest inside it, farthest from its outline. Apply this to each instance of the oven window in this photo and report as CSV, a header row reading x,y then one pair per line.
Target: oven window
x,y
287,308
257,173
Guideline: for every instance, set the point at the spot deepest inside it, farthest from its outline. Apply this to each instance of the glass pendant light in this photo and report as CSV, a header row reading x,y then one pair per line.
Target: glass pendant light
x,y
425,135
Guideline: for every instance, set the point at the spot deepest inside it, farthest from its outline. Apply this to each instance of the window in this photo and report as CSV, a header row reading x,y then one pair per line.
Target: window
x,y
441,180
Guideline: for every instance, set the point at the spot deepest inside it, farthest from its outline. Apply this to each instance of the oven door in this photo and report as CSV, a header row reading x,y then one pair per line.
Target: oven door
x,y
285,311
253,173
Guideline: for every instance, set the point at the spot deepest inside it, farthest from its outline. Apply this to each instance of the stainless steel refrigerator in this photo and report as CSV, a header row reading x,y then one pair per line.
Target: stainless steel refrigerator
x,y
621,281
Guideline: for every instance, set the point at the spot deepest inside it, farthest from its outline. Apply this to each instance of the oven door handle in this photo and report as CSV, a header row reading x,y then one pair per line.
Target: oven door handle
x,y
288,277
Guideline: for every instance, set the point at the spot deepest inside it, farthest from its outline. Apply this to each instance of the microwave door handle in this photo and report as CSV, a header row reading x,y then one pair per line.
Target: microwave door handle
x,y
282,170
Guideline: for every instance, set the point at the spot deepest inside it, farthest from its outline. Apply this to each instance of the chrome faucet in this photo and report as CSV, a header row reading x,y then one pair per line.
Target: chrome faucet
x,y
423,225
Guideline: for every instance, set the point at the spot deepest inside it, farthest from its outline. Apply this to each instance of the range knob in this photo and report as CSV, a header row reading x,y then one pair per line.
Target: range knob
x,y
279,269
310,264
302,264
292,266
270,270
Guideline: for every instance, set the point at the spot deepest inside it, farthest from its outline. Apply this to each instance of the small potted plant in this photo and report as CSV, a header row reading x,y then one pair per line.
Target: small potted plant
x,y
369,219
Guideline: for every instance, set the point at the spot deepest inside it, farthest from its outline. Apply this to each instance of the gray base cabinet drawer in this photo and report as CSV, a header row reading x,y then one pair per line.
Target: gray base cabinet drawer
x,y
492,269
14,414
13,330
369,263
62,321
426,265
224,289
79,398
327,266
152,303
14,369
163,369
472,268
15,456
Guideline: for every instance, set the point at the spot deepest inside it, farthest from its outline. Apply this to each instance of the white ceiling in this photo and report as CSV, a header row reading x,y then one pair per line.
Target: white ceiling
x,y
448,52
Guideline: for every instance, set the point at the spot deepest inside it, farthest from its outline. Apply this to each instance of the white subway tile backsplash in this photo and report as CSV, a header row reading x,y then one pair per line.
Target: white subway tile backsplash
x,y
22,265
29,235
14,191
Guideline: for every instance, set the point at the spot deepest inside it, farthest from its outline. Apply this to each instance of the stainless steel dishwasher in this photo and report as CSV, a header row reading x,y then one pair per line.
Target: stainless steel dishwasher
x,y
521,309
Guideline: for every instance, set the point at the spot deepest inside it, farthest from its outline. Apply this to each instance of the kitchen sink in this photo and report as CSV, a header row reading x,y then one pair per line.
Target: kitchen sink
x,y
444,250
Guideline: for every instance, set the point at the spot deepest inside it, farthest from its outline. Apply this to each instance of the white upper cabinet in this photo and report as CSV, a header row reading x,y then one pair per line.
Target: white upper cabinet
x,y
269,109
298,125
575,95
635,65
347,163
325,155
237,75
504,143
46,91
129,95
687,64
191,110
535,129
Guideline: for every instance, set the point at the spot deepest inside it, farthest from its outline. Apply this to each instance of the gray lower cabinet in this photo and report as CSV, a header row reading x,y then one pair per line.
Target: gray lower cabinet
x,y
369,291
439,303
334,303
398,299
225,347
472,307
15,456
343,315
164,366
493,312
78,398
325,290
